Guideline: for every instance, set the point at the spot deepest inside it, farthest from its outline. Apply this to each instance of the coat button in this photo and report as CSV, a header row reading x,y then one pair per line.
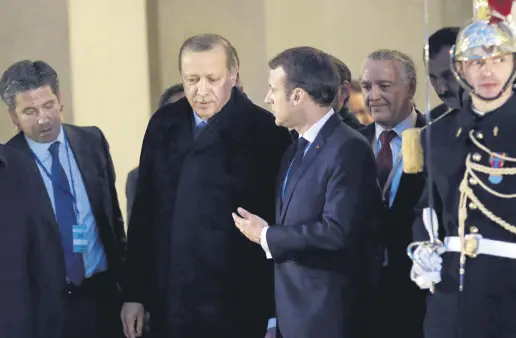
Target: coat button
x,y
479,135
472,181
477,157
472,206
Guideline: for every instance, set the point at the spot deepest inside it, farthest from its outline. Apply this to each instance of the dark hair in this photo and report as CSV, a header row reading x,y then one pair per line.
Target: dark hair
x,y
342,69
24,76
444,37
167,94
311,70
355,86
206,42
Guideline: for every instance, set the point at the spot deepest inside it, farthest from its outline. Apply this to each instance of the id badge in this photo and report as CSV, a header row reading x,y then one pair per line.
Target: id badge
x,y
80,243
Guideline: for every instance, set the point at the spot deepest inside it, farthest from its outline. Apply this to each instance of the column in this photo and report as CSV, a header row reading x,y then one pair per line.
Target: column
x,y
110,76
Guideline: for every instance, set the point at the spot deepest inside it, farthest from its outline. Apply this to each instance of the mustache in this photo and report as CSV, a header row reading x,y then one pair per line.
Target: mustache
x,y
447,95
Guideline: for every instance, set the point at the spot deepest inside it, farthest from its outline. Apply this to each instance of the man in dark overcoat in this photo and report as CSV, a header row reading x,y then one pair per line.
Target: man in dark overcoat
x,y
202,157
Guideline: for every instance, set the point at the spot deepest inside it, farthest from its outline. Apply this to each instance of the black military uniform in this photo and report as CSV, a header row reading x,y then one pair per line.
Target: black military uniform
x,y
473,192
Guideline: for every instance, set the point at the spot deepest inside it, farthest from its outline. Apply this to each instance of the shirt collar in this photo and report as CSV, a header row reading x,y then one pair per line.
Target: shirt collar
x,y
41,149
197,119
314,130
407,123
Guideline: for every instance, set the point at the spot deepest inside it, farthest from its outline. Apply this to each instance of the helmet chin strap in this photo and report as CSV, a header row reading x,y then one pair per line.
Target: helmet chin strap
x,y
461,96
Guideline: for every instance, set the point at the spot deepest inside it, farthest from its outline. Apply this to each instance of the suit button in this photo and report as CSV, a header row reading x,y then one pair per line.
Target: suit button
x,y
473,206
479,135
477,157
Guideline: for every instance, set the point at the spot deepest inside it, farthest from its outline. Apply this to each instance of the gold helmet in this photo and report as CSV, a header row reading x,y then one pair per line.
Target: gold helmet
x,y
489,34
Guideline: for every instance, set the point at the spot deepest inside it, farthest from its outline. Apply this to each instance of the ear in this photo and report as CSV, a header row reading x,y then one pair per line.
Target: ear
x,y
14,117
297,96
346,90
412,88
234,76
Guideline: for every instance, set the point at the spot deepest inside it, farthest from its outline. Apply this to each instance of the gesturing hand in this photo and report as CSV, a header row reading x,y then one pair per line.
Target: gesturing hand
x,y
249,224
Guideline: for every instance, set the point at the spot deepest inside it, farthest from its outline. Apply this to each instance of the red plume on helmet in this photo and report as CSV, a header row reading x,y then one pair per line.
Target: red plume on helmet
x,y
501,7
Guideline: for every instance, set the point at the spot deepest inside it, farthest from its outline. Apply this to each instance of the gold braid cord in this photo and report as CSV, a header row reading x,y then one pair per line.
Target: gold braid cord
x,y
466,193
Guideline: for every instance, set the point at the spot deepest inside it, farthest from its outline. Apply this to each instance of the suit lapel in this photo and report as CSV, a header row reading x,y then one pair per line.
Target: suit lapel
x,y
369,132
285,164
85,159
310,155
19,142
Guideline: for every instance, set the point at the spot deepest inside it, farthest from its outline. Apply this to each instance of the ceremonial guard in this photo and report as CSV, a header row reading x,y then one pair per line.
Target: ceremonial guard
x,y
470,161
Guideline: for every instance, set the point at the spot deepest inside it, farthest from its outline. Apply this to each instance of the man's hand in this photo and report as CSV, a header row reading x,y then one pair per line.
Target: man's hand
x,y
271,333
132,313
250,225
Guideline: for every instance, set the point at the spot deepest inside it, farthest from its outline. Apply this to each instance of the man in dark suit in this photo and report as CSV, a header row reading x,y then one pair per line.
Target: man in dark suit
x,y
77,189
171,95
343,94
327,199
389,84
24,271
202,157
444,82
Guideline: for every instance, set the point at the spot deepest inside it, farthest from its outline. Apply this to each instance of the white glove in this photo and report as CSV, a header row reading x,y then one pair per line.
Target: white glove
x,y
426,270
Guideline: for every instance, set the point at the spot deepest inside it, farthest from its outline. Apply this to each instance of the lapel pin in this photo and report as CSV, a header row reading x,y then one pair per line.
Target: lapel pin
x,y
316,146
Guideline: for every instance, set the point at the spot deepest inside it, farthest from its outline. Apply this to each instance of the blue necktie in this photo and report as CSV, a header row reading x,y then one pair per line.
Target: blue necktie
x,y
296,162
65,214
199,128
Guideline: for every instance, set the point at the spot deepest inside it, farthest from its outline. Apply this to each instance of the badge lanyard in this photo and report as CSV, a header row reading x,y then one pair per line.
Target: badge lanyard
x,y
72,183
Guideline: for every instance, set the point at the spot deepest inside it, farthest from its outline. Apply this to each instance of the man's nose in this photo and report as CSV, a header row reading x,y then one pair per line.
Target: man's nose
x,y
202,88
375,93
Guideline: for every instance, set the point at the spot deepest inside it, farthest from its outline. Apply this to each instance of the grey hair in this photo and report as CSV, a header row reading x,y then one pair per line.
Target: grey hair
x,y
207,41
24,76
394,55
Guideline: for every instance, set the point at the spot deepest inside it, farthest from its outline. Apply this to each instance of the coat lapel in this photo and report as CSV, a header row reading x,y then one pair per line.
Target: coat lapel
x,y
85,159
19,142
369,132
310,155
282,173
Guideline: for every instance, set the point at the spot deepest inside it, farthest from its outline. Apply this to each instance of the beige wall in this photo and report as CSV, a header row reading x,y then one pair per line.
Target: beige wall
x,y
242,22
260,29
110,78
32,29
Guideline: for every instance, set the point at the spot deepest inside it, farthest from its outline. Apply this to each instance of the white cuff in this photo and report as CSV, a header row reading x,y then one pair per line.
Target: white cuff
x,y
263,243
271,324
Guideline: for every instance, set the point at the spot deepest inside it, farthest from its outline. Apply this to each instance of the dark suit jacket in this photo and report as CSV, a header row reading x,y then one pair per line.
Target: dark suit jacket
x,y
91,152
24,302
319,242
396,288
188,264
130,190
349,118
